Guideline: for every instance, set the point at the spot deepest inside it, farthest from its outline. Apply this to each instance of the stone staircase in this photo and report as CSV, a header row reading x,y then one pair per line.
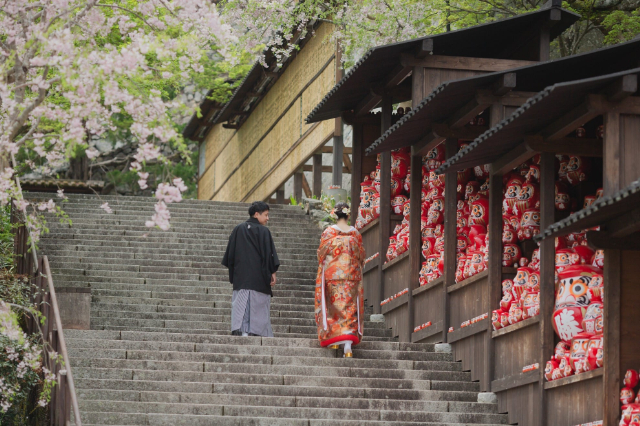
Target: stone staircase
x,y
160,352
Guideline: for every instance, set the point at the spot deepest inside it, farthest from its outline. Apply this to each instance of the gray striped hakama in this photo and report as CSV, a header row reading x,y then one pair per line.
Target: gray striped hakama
x,y
250,312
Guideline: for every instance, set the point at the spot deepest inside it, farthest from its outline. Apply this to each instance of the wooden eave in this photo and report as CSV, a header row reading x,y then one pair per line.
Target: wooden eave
x,y
461,98
544,121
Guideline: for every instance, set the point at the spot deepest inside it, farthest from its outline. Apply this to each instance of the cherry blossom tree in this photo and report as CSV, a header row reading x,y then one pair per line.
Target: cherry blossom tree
x,y
71,70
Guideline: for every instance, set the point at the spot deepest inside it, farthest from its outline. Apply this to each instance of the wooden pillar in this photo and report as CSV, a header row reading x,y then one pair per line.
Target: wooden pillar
x,y
356,172
612,304
415,240
385,195
547,272
297,185
612,161
317,174
494,230
415,221
450,233
338,150
280,195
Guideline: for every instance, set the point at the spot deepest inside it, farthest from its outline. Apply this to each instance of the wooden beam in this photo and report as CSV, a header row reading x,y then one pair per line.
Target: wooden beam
x,y
512,159
425,48
367,104
385,197
305,187
230,126
253,94
505,84
602,240
329,150
271,74
325,169
347,161
623,225
474,107
622,88
356,168
240,113
426,144
462,63
338,164
369,119
450,241
570,146
469,133
570,121
601,104
394,78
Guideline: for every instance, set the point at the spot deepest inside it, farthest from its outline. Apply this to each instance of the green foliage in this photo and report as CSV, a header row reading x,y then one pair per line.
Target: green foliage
x,y
621,26
6,239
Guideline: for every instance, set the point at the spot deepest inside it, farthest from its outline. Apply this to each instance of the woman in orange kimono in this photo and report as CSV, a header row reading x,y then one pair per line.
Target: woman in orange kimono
x,y
339,292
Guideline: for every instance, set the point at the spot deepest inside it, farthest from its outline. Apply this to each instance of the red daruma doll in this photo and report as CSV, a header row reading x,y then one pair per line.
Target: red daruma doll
x,y
573,296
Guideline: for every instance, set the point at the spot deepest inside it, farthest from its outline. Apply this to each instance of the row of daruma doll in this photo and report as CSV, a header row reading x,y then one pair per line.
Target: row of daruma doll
x,y
630,399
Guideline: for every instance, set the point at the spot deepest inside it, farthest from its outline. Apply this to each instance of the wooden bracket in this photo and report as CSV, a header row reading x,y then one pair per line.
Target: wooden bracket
x,y
623,225
426,144
505,84
571,120
367,104
425,48
623,87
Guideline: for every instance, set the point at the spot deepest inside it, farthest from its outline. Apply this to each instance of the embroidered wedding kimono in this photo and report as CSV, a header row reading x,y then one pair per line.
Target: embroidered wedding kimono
x,y
339,291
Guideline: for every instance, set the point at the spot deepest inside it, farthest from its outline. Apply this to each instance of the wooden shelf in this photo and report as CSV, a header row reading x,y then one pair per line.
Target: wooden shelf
x,y
397,260
395,304
434,329
515,327
507,271
515,381
463,333
396,217
469,281
427,287
371,265
574,379
370,226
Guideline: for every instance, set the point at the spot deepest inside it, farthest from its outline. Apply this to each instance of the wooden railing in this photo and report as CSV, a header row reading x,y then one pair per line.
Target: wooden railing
x,y
43,295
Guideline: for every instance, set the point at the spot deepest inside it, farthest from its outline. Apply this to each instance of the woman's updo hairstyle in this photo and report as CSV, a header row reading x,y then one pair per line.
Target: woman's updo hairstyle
x,y
338,210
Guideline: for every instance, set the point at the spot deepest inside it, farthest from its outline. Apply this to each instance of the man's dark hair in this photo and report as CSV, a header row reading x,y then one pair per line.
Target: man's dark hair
x,y
258,207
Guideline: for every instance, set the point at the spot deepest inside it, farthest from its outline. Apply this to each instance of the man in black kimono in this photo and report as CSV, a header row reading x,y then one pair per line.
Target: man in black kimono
x,y
252,261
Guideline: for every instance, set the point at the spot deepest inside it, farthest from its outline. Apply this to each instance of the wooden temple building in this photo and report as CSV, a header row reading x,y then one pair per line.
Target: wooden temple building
x,y
491,100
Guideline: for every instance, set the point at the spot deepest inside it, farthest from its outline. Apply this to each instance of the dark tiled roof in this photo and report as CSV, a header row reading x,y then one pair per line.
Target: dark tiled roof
x,y
491,40
63,183
602,210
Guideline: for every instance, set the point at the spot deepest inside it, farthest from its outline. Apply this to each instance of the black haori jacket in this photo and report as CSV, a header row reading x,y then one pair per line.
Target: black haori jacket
x,y
251,257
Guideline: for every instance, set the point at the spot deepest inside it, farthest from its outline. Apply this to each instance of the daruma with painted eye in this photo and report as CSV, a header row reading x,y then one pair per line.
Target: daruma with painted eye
x,y
565,258
510,254
509,235
598,259
397,203
572,298
513,189
434,158
396,186
577,169
529,224
528,198
428,246
479,212
579,346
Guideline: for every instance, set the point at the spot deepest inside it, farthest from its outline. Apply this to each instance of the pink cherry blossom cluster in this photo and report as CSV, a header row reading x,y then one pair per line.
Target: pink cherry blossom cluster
x,y
49,52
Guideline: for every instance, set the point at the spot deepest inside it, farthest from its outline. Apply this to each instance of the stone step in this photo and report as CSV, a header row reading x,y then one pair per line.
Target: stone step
x,y
160,254
288,401
191,262
286,412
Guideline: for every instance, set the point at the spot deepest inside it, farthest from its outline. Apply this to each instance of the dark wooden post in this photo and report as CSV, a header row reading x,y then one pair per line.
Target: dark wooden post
x,y
450,233
317,174
297,185
612,154
547,271
385,195
338,150
415,194
415,240
612,303
356,172
494,269
280,195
